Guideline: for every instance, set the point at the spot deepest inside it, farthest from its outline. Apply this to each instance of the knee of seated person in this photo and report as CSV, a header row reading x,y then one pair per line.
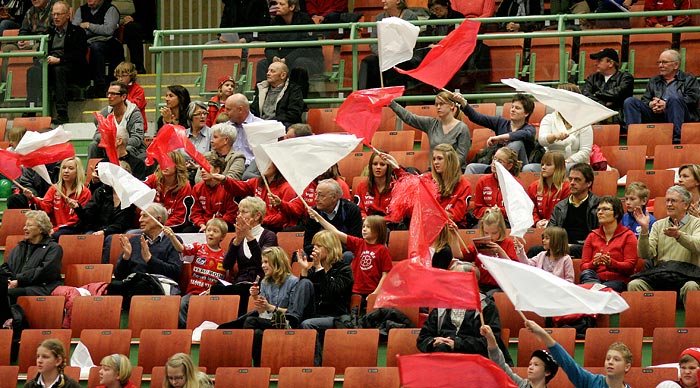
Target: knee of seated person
x,y
629,101
637,285
671,100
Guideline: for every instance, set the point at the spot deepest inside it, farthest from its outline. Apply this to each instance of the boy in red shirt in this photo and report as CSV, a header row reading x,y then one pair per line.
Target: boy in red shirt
x,y
212,200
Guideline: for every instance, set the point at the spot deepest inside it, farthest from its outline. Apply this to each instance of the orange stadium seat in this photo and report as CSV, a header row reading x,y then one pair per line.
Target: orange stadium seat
x,y
5,343
32,123
12,223
80,249
393,140
644,49
599,339
649,310
8,375
215,308
363,352
103,342
488,109
410,312
479,138
528,343
353,165
156,346
276,347
675,155
420,110
226,348
31,338
544,59
606,134
650,135
220,62
605,183
375,377
96,312
690,44
78,275
322,120
242,377
43,312
317,377
417,159
510,58
510,319
625,158
692,309
401,342
690,133
17,68
669,342
141,312
657,181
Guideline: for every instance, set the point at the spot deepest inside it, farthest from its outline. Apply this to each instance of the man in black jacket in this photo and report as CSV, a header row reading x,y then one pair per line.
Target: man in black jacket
x,y
277,98
671,97
608,85
67,50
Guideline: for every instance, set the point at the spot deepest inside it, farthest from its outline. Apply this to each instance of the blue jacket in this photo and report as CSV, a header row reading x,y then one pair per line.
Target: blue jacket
x,y
578,376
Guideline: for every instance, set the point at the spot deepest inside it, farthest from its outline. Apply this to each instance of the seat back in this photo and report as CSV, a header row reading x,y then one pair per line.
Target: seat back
x,y
606,134
242,377
510,319
156,346
318,377
675,155
220,62
322,120
226,348
80,249
32,338
103,342
401,342
669,342
288,348
141,312
343,348
78,275
12,223
650,135
657,181
353,164
625,158
32,123
599,339
376,377
9,375
96,312
43,312
510,58
417,159
215,308
528,343
545,57
393,140
649,310
605,183
644,49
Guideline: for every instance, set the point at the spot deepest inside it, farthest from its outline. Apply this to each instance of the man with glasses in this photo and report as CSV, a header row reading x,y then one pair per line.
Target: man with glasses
x,y
673,243
66,58
671,97
126,115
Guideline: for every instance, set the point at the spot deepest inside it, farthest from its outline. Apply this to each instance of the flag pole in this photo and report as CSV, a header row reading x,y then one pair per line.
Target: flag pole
x,y
153,218
461,240
265,182
522,315
14,181
393,164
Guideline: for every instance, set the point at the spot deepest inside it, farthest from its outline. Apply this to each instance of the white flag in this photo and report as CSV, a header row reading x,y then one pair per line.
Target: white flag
x,y
262,132
129,189
396,39
518,204
577,109
301,159
536,290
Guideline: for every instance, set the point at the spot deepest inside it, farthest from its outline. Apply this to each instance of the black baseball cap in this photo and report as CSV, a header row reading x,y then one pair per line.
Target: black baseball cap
x,y
549,362
606,53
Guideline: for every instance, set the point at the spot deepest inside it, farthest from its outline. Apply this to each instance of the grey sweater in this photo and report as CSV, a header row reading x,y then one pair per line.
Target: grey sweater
x,y
497,356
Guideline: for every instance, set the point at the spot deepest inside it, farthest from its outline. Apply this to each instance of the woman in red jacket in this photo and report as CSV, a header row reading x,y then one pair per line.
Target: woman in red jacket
x,y
374,194
551,188
173,191
487,193
610,252
454,189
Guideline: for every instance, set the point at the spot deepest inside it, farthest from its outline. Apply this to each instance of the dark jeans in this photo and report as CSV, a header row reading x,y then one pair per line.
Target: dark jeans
x,y
133,37
104,58
591,276
58,85
637,112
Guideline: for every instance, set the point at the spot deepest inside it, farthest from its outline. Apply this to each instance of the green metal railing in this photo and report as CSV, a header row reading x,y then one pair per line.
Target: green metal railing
x,y
40,53
161,48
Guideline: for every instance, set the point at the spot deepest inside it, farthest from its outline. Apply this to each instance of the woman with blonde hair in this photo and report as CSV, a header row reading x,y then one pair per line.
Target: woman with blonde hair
x,y
453,187
689,178
447,128
173,190
180,372
552,187
63,197
115,372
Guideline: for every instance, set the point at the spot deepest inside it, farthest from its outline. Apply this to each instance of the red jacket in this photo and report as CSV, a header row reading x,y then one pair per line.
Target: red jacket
x,y
485,277
55,206
137,96
372,203
214,110
666,5
323,7
174,201
210,202
456,203
622,249
488,194
285,215
544,203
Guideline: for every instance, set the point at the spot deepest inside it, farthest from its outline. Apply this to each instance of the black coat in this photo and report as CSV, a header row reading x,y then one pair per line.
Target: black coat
x,y
74,49
332,289
101,214
615,91
41,272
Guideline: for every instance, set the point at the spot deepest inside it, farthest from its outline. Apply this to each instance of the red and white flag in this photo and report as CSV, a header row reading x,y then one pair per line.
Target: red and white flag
x,y
262,132
108,136
39,148
170,138
449,370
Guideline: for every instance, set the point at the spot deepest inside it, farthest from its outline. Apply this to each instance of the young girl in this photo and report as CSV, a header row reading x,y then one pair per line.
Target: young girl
x,y
115,371
487,193
491,224
372,261
555,258
453,188
180,372
172,190
51,361
208,263
551,188
217,103
374,195
71,183
126,73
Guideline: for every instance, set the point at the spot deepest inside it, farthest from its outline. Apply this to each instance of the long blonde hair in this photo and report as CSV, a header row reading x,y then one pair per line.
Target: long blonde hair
x,y
79,183
330,241
557,159
181,174
278,260
451,172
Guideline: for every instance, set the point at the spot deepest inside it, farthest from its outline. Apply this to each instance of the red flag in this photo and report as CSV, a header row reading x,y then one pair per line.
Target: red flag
x,y
170,138
108,136
448,55
9,165
414,285
361,113
448,370
427,221
48,154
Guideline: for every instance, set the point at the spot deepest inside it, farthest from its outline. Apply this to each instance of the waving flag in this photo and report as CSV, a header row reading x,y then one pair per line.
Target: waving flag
x,y
361,113
262,132
518,204
447,56
579,110
448,370
108,136
129,189
39,148
536,290
301,159
9,165
427,221
170,138
396,39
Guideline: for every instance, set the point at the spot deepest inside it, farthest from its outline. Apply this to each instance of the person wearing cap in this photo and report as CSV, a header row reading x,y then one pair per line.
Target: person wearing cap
x,y
540,371
689,364
217,104
277,98
608,85
670,97
618,361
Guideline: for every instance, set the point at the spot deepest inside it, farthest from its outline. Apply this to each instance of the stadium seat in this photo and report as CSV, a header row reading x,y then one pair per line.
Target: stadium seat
x,y
322,120
80,249
510,58
605,183
651,135
96,312
78,275
226,348
91,166
690,44
94,376
419,110
669,342
156,346
393,140
9,374
692,309
606,134
690,133
510,319
290,241
528,177
344,348
657,181
398,244
220,62
409,311
649,310
11,242
255,55
660,207
644,49
141,312
32,123
242,377
363,50
375,377
487,108
544,60
533,237
599,339
389,119
577,270
353,164
676,155
650,377
479,138
417,159
158,375
3,128
625,158
32,338
215,308
5,343
43,312
102,342
277,348
401,342
591,45
295,377
115,251
17,70
528,343
12,223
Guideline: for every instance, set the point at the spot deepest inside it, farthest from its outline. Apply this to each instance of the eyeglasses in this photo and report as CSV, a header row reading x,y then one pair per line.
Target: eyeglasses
x,y
605,209
109,94
203,114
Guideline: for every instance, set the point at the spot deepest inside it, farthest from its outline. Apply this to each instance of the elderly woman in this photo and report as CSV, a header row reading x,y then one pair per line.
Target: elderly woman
x,y
245,251
555,135
445,129
222,138
34,266
610,252
177,99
